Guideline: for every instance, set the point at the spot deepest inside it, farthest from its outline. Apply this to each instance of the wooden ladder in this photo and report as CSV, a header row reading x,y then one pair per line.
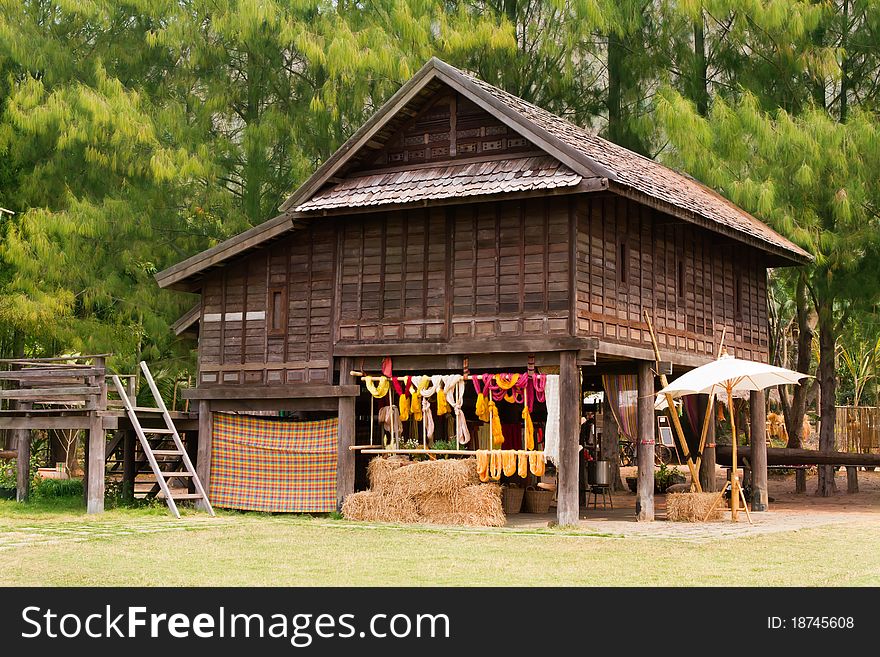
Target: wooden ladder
x,y
162,477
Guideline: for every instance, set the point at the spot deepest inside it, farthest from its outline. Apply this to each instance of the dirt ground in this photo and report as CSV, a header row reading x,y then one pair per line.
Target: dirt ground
x,y
787,511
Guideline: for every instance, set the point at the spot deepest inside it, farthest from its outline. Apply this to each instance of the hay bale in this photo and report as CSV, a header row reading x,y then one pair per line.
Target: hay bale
x,y
691,507
478,505
424,478
373,506
379,468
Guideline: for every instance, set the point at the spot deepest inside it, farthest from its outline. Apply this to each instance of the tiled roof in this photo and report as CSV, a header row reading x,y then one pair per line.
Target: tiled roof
x,y
439,182
642,174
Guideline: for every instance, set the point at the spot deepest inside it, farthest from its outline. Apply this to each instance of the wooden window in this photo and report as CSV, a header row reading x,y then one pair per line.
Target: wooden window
x,y
623,263
277,315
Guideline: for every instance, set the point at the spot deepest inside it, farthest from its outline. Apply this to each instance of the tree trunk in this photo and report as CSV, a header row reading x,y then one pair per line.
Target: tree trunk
x,y
796,408
700,82
828,387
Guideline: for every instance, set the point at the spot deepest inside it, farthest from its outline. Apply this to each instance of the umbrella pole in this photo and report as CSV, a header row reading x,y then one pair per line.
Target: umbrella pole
x,y
734,472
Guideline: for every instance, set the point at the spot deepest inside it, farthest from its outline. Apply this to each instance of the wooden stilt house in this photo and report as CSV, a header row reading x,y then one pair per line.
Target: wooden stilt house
x,y
464,227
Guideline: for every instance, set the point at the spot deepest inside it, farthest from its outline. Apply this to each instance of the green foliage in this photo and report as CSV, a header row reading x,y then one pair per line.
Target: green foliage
x,y
50,489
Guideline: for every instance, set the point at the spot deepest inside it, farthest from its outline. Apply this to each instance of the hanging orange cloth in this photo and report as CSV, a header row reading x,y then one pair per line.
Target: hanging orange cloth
x,y
508,461
483,464
720,406
522,467
497,435
442,404
530,428
536,463
482,409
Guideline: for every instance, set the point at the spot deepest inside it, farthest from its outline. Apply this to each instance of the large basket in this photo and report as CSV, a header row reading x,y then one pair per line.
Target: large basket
x,y
537,501
512,499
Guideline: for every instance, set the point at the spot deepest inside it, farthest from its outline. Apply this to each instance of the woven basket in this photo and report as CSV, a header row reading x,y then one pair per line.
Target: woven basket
x,y
537,501
512,499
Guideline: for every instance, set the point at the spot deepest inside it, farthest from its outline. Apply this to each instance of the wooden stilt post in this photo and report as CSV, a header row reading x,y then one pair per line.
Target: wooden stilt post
x,y
345,458
23,459
707,457
800,481
758,440
97,458
203,453
128,466
570,401
645,490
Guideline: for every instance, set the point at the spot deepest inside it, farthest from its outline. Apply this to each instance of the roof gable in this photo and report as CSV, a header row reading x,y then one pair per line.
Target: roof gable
x,y
568,155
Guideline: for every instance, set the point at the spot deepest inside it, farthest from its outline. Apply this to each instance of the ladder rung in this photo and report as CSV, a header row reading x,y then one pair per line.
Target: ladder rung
x,y
167,452
146,409
186,496
182,473
146,430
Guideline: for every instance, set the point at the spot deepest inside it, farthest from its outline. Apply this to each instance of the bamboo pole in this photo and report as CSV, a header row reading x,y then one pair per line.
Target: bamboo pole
x,y
673,416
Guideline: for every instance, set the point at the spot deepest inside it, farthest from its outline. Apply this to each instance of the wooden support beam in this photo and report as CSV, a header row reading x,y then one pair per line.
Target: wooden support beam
x,y
97,461
45,422
311,404
23,456
289,391
42,374
758,441
645,490
206,439
469,347
128,464
792,457
570,400
707,458
345,457
800,481
52,393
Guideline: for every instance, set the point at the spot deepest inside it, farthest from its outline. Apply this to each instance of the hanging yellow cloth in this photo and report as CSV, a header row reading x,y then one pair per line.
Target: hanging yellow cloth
x,y
379,390
508,460
483,464
482,407
530,428
497,435
522,464
495,465
404,408
536,463
442,404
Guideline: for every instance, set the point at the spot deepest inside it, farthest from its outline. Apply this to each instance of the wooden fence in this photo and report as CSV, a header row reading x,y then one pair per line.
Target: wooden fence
x,y
858,429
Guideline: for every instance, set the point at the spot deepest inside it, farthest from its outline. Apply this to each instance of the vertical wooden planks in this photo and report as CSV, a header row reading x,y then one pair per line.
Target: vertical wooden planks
x,y
203,452
567,502
645,490
345,458
23,458
97,444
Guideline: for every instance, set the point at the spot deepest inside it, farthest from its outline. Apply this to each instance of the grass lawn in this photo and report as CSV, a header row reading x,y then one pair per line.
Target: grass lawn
x,y
58,544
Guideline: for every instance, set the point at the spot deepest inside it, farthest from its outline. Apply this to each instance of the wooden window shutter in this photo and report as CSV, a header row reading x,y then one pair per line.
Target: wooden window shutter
x,y
277,310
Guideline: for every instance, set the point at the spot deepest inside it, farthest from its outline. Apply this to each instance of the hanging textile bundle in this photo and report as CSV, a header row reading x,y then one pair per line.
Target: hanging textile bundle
x,y
536,463
380,389
720,406
495,465
530,428
453,393
497,435
483,464
415,405
504,383
522,458
508,460
426,388
482,395
442,403
403,391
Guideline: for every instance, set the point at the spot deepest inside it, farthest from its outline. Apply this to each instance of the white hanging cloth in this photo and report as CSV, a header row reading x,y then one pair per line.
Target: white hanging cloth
x,y
453,388
551,430
426,394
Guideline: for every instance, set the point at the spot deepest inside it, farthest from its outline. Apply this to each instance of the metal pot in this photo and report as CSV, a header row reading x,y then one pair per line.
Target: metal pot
x,y
599,473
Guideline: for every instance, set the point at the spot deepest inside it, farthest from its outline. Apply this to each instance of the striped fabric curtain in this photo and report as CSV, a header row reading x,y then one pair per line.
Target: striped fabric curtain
x,y
622,392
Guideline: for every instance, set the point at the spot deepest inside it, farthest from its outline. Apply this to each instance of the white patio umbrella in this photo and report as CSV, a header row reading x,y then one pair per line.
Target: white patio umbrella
x,y
727,375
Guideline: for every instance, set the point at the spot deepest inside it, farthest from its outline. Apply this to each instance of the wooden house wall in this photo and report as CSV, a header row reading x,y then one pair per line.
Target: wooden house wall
x,y
235,343
476,271
685,277
461,272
